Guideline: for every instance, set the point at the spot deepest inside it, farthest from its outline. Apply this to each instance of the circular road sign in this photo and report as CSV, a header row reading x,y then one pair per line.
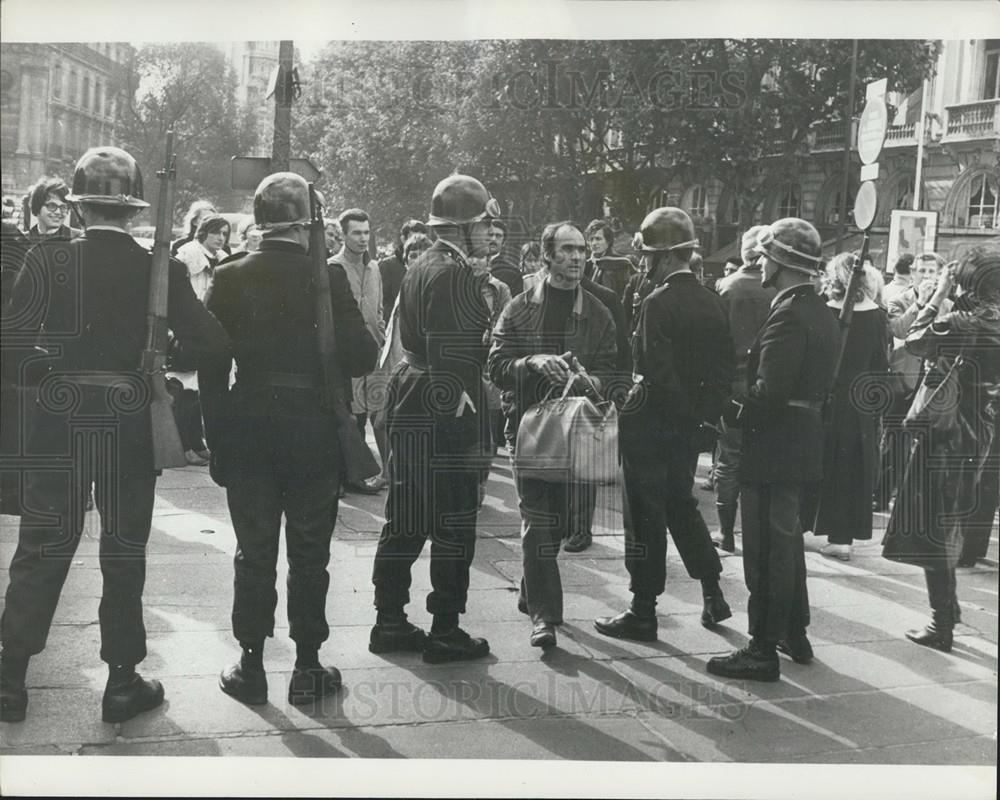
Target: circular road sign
x,y
864,205
871,130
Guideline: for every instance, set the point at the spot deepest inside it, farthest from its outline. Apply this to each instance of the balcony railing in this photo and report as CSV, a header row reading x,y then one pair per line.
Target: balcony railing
x,y
968,121
829,136
901,135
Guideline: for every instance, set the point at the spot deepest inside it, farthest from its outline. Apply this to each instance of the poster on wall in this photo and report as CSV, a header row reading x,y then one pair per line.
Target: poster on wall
x,y
912,232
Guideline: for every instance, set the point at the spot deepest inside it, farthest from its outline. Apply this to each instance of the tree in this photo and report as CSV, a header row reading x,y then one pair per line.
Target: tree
x,y
188,87
553,127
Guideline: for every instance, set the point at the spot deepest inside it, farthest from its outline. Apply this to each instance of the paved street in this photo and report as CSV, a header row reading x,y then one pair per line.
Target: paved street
x,y
870,696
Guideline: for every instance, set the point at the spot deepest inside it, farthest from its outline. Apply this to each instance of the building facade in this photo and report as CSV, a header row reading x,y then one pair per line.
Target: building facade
x,y
254,63
56,100
960,176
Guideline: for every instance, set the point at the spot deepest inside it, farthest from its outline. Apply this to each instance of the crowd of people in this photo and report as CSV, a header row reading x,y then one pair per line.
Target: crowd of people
x,y
446,344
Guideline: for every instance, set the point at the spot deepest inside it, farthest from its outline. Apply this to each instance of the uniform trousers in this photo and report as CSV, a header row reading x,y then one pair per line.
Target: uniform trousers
x,y
52,525
257,501
545,516
659,474
774,563
430,497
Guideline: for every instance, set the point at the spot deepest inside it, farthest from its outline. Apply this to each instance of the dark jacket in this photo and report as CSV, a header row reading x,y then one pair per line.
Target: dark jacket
x,y
505,270
683,350
748,304
640,286
442,318
612,272
840,504
64,232
941,484
611,301
85,301
518,335
392,270
266,302
792,358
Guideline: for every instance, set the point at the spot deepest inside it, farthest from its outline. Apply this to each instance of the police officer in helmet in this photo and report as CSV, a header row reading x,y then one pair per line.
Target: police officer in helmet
x,y
437,421
683,360
87,299
790,371
274,445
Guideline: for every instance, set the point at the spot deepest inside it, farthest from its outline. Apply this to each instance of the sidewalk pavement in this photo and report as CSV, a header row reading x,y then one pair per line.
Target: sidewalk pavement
x,y
870,697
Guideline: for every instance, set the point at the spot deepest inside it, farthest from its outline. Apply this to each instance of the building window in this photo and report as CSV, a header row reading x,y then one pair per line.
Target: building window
x,y
789,201
97,97
696,201
991,83
57,80
72,96
983,201
85,99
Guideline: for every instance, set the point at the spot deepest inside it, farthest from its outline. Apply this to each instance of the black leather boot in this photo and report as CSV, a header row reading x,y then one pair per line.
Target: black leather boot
x,y
453,645
941,593
756,662
727,524
797,647
246,680
637,623
128,695
393,633
932,636
13,695
311,680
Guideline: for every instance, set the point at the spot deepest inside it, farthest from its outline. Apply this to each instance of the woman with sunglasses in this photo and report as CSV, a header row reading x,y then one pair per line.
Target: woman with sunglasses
x,y
49,207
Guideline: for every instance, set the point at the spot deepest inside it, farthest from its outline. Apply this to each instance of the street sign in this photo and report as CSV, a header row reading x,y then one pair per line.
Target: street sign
x,y
872,129
865,205
249,171
869,172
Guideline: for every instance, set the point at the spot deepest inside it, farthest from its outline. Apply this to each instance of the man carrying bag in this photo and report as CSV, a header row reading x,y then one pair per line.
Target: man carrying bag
x,y
546,338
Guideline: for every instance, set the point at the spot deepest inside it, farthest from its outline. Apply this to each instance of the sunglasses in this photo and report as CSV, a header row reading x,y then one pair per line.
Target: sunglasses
x,y
56,208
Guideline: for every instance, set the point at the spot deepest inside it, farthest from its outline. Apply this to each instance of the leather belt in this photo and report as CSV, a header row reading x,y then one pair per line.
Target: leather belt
x,y
809,405
284,380
415,361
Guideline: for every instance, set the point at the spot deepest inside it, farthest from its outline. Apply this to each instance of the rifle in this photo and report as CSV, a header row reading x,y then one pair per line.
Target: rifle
x,y
359,463
167,448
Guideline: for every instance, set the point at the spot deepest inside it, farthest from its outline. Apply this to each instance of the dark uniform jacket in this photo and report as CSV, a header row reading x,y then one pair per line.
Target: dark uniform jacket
x,y
272,416
85,302
683,350
442,320
791,360
589,336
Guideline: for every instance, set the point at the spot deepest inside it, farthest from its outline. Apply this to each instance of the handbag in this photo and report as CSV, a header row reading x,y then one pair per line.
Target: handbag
x,y
568,440
935,408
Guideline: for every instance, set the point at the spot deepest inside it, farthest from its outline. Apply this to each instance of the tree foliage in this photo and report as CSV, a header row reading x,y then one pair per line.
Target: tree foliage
x,y
553,127
191,88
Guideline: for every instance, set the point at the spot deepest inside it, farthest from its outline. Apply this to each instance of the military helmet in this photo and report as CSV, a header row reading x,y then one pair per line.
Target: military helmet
x,y
792,243
107,176
666,228
281,202
460,200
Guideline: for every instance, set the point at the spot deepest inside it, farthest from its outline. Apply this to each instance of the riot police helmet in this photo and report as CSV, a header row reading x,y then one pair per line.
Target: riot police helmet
x,y
281,202
792,243
461,200
666,229
107,176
